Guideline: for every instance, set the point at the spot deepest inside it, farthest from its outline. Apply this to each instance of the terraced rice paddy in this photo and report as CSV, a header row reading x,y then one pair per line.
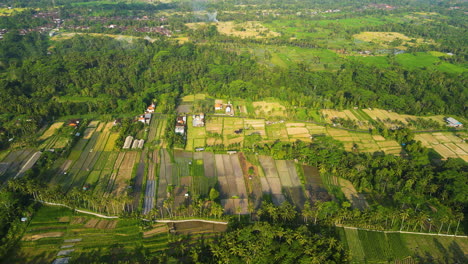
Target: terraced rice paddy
x,y
56,232
379,247
447,144
364,142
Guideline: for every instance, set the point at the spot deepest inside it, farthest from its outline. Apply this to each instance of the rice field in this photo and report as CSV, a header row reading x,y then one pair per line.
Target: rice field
x,y
364,142
447,144
380,247
51,130
156,130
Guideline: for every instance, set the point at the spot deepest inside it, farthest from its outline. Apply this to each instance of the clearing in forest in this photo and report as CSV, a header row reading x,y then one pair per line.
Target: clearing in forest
x,y
389,39
249,29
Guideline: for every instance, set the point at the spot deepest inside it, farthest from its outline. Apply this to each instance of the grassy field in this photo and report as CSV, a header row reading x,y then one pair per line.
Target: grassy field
x,y
378,247
249,29
427,60
384,39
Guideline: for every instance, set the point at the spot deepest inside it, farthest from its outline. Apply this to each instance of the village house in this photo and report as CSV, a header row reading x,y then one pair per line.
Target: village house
x,y
218,106
73,122
452,122
150,108
180,125
145,119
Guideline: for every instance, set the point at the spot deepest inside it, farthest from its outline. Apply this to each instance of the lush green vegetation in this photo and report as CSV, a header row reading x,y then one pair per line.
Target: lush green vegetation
x,y
280,60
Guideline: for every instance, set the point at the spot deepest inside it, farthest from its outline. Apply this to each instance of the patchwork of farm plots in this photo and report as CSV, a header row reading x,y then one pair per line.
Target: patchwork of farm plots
x,y
231,130
50,139
379,247
241,180
447,144
57,233
363,116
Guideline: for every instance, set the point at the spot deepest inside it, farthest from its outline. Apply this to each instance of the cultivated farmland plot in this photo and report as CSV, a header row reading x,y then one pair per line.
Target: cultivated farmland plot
x,y
29,164
113,172
358,200
448,145
276,131
165,176
13,163
51,130
254,126
233,193
150,192
125,172
214,125
315,189
271,183
290,182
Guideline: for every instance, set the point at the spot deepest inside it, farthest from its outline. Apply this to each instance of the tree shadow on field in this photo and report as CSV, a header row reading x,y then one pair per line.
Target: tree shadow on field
x,y
457,254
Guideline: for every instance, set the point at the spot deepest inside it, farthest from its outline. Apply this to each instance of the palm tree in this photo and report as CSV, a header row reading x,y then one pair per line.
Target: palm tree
x,y
307,211
459,217
443,219
403,214
422,219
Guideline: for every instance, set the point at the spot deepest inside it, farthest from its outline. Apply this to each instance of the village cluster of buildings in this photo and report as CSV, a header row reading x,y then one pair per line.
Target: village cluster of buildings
x,y
146,117
131,143
57,23
228,109
181,122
